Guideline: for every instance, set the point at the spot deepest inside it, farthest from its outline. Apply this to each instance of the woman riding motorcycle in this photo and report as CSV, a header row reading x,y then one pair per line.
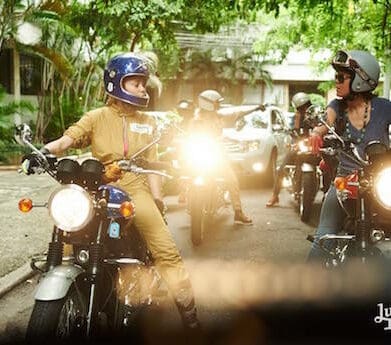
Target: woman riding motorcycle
x,y
207,120
301,102
116,131
358,116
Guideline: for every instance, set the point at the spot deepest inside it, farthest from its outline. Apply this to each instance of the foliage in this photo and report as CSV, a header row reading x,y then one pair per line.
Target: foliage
x,y
110,26
79,37
333,24
7,112
10,14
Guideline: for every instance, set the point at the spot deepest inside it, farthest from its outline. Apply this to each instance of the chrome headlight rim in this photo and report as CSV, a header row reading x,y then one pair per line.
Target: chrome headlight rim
x,y
380,182
84,194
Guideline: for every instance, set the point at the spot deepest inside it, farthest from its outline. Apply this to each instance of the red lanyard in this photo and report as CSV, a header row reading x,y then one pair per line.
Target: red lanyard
x,y
125,137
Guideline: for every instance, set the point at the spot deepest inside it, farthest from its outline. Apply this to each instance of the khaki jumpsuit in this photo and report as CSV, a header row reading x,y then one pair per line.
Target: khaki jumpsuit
x,y
116,132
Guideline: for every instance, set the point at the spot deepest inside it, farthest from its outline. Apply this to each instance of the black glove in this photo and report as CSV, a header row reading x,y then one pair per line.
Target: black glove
x,y
141,162
31,161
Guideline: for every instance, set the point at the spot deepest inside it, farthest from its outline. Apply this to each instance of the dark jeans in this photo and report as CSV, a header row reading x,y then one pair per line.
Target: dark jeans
x,y
289,159
331,221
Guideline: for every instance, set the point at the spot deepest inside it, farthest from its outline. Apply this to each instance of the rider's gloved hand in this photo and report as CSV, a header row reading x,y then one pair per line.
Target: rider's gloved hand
x,y
316,142
112,173
141,162
31,161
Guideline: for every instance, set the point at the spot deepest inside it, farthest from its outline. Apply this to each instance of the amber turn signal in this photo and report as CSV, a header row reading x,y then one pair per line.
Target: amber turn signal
x,y
126,209
340,183
25,205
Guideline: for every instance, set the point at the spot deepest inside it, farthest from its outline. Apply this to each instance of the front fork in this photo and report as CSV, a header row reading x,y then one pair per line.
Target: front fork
x,y
362,232
93,275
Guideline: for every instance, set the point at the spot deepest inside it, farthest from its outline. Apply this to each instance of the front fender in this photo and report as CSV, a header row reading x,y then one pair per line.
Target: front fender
x,y
56,283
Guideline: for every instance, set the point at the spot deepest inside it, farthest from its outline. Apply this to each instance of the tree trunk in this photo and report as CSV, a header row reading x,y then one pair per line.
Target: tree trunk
x,y
387,74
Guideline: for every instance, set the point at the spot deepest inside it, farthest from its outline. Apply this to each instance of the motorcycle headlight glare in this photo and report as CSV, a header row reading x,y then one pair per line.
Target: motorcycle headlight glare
x,y
383,187
202,152
70,207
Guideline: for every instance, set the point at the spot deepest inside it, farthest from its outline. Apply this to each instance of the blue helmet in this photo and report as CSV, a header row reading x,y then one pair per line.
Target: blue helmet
x,y
120,67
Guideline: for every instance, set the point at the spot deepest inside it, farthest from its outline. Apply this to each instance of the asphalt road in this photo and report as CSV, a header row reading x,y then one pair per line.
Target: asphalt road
x,y
250,282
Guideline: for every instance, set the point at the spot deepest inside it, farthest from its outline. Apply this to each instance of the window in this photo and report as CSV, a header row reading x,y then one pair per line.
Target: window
x,y
30,74
6,68
277,122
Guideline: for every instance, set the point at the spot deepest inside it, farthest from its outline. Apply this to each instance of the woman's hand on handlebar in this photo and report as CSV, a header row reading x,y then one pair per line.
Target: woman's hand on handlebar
x,y
31,162
316,142
112,173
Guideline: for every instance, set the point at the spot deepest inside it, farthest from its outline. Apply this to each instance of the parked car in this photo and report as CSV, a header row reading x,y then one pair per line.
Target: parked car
x,y
290,118
258,142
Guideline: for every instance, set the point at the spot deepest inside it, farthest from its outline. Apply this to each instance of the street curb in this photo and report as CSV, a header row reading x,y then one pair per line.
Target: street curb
x,y
9,167
13,279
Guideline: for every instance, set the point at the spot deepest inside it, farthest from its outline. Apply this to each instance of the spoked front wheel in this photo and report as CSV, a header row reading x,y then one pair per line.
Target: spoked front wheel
x,y
59,319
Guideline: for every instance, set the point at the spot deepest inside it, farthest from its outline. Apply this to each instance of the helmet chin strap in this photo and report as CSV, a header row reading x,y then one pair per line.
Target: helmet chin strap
x,y
351,96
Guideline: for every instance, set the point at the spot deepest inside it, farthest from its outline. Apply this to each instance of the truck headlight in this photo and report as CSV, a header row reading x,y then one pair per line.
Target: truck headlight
x,y
253,145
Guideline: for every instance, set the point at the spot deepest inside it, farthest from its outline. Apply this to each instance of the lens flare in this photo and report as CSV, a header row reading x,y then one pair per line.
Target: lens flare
x,y
383,187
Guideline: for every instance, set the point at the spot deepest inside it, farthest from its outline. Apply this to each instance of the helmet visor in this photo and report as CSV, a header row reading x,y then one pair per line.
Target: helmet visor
x,y
343,60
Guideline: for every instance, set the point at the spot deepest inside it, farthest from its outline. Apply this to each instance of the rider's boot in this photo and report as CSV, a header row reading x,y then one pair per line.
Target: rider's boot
x,y
184,300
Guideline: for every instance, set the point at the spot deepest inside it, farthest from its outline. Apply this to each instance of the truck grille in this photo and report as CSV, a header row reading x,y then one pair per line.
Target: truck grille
x,y
233,146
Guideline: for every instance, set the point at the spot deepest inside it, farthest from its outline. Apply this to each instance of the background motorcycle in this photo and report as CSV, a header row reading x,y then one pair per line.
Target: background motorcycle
x,y
103,287
365,197
201,160
304,178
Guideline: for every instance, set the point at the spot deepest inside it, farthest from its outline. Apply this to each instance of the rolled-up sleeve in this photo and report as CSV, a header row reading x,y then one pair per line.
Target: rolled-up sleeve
x,y
81,131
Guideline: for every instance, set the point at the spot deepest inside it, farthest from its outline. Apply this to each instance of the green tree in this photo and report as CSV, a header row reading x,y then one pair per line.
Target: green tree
x,y
7,112
332,24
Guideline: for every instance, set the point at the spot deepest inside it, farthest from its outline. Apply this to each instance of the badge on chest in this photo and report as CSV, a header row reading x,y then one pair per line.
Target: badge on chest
x,y
141,128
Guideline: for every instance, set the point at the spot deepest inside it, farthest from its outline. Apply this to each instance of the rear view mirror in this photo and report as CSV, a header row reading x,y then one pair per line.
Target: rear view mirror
x,y
277,127
314,115
240,124
23,134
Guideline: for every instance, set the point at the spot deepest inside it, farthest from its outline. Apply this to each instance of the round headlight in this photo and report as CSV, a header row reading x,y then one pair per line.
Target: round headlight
x,y
383,187
70,207
202,152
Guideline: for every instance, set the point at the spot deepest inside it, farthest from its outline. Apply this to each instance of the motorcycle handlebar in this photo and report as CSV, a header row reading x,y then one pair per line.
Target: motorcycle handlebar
x,y
150,168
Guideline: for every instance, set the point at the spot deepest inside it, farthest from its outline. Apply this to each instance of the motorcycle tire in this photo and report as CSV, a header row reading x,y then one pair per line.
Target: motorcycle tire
x,y
53,319
198,217
308,186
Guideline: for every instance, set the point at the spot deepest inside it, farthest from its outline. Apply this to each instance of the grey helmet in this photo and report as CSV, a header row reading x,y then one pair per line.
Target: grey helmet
x,y
299,99
209,100
363,67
